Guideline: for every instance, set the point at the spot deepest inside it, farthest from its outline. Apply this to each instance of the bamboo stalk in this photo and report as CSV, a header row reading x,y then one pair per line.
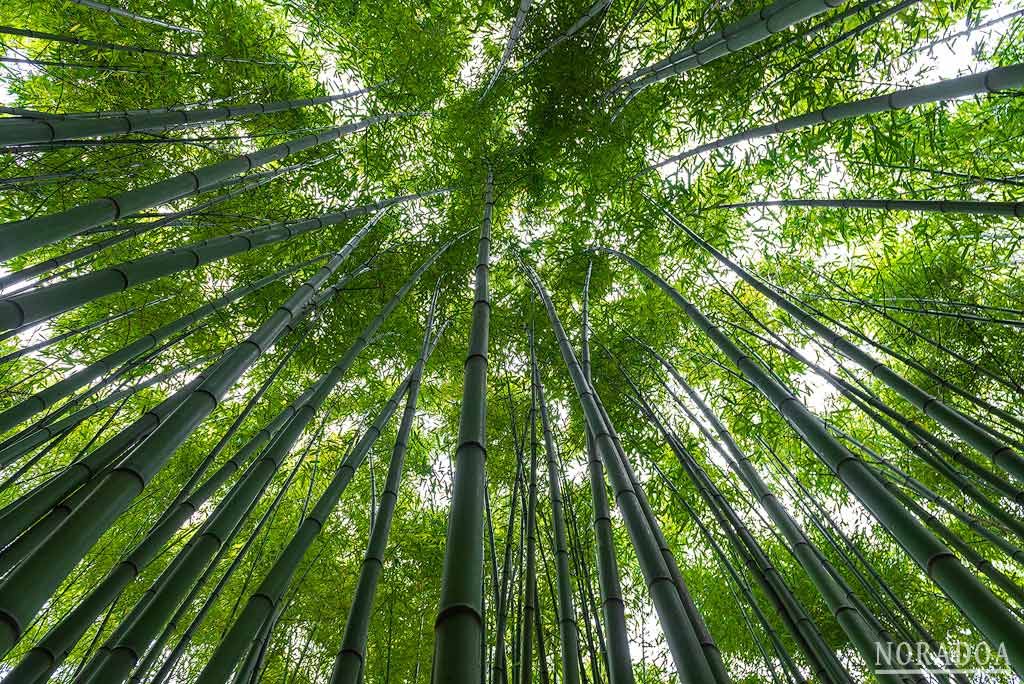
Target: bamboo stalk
x,y
26,589
349,662
996,80
620,664
568,632
19,237
25,132
43,303
971,432
459,625
983,208
990,615
687,654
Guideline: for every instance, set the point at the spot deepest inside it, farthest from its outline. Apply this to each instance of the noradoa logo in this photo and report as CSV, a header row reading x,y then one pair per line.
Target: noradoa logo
x,y
956,657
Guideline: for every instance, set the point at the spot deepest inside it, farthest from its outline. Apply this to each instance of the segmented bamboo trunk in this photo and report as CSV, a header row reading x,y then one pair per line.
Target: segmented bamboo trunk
x,y
510,44
868,404
569,636
25,590
262,602
620,661
821,657
47,431
1011,209
19,515
853,623
529,596
21,236
691,665
709,648
133,16
499,671
782,653
926,444
992,81
34,270
348,664
991,616
47,398
39,304
81,330
117,47
459,625
968,430
23,132
230,513
749,30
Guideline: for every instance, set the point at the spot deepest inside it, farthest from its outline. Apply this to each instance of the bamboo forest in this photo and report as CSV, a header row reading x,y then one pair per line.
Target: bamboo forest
x,y
511,341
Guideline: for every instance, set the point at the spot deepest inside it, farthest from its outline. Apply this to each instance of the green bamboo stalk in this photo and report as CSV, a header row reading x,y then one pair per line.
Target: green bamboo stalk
x,y
47,398
19,237
499,672
859,29
990,615
25,590
111,381
117,47
115,660
48,431
567,629
125,654
520,583
820,655
983,208
133,16
530,603
265,599
691,665
995,80
167,668
620,663
780,649
982,564
845,547
998,540
510,44
23,132
1009,418
749,30
853,622
968,430
458,627
54,648
260,604
33,536
19,515
42,303
1003,379
349,662
595,647
926,445
174,218
709,648
36,114
81,330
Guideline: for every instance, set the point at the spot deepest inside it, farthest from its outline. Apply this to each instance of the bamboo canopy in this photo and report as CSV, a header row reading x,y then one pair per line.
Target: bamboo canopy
x,y
516,342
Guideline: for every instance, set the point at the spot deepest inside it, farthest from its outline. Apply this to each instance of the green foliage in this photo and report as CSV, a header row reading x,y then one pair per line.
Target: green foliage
x,y
938,288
